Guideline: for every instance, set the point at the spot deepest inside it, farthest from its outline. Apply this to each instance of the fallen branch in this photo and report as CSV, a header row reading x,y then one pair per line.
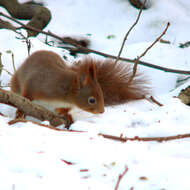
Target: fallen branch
x,y
12,122
111,137
31,109
136,138
21,120
120,178
80,49
155,101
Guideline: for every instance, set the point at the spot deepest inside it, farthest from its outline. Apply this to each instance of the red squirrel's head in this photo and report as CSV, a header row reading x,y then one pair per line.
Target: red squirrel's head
x,y
89,96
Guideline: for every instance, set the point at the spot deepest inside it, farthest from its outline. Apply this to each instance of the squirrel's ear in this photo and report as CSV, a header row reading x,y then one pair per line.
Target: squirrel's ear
x,y
89,75
92,71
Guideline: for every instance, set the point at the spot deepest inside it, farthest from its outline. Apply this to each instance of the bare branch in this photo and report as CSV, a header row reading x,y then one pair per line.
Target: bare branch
x,y
157,40
12,122
127,34
146,50
81,49
120,177
146,139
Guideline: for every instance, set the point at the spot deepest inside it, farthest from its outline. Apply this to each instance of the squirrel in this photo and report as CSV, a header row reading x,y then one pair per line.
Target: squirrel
x,y
89,84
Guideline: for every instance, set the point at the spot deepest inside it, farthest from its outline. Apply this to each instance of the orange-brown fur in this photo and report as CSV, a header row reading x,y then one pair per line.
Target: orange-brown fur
x,y
114,80
45,76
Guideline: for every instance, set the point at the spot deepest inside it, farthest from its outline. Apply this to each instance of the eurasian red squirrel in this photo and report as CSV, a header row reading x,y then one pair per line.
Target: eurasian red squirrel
x,y
89,83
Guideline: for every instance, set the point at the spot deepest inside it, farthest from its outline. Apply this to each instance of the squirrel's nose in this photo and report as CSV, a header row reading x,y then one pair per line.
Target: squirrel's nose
x,y
102,111
98,111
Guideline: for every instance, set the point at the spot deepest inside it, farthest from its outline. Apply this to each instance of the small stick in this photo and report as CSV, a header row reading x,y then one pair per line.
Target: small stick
x,y
22,120
28,43
127,34
155,101
146,139
13,61
7,72
157,39
146,50
120,177
12,122
82,49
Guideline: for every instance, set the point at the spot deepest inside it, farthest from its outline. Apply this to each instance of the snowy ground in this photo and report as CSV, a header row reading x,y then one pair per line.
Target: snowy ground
x,y
34,157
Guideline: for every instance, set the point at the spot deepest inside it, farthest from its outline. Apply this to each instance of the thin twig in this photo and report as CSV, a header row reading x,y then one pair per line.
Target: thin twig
x,y
157,40
27,41
127,34
28,27
146,139
120,177
28,44
146,50
12,57
81,49
14,121
7,71
155,101
165,69
13,61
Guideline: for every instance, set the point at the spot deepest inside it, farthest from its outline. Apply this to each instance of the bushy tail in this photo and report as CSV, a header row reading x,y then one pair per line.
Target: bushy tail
x,y
115,82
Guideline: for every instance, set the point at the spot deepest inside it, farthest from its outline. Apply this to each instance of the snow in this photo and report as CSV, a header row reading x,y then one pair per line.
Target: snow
x,y
35,157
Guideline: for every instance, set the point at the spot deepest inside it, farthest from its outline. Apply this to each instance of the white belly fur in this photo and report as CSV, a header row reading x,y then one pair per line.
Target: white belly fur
x,y
52,105
76,112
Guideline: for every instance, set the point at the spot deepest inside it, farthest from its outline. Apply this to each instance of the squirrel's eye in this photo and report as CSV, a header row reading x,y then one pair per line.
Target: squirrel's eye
x,y
91,100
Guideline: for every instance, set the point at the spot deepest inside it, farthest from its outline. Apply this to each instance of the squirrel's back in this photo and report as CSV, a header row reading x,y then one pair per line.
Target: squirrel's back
x,y
45,77
115,81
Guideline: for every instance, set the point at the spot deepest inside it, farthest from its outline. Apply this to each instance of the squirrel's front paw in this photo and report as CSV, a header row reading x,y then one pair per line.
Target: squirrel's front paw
x,y
65,113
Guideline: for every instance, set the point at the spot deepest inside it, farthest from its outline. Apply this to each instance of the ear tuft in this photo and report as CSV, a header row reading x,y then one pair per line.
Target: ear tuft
x,y
87,71
92,71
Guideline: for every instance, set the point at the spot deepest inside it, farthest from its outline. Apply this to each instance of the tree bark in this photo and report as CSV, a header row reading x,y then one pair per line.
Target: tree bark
x,y
31,109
